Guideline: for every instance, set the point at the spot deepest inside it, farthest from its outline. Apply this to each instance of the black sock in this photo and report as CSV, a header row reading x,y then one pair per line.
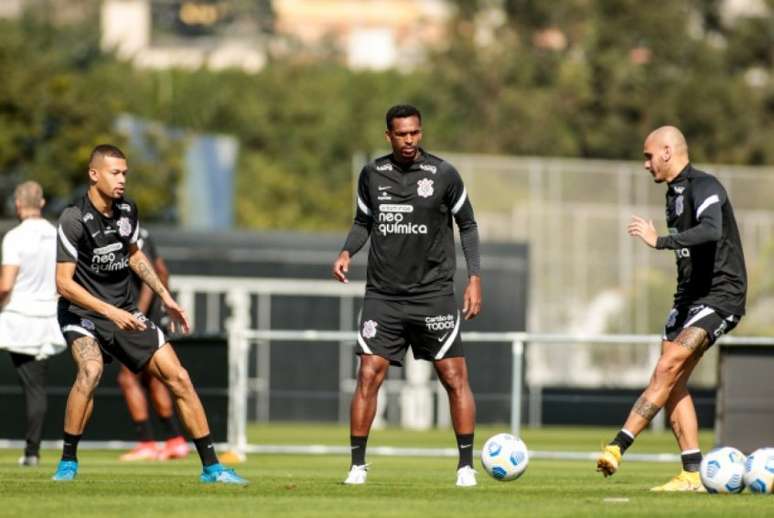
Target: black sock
x,y
171,428
70,450
144,430
358,447
691,460
465,448
623,440
206,450
32,449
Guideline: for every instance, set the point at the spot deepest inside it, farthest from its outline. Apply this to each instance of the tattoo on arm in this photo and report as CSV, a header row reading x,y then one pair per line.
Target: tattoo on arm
x,y
645,408
145,271
693,338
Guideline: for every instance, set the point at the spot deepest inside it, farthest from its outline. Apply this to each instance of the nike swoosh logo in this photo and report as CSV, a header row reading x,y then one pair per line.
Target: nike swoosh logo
x,y
95,234
354,447
384,187
443,337
463,446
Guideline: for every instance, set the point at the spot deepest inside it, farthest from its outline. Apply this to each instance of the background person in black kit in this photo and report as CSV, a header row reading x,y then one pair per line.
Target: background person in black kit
x,y
708,302
133,385
97,247
406,203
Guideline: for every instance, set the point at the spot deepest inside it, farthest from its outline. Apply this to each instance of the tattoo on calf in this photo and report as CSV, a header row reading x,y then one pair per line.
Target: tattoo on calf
x,y
693,338
645,408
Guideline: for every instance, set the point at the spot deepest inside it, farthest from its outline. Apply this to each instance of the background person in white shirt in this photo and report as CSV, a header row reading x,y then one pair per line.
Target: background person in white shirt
x,y
29,330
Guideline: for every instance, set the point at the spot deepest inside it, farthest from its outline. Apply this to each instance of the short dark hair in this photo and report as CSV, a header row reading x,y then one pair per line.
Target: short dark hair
x,y
401,111
104,150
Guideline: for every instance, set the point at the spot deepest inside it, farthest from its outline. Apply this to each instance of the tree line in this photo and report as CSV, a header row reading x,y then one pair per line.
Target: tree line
x,y
576,78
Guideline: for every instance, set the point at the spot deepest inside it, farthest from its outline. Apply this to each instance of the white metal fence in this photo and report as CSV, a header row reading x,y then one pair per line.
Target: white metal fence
x,y
240,341
240,294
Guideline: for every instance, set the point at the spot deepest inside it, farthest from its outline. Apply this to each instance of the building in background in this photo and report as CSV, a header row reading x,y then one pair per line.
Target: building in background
x,y
370,34
216,34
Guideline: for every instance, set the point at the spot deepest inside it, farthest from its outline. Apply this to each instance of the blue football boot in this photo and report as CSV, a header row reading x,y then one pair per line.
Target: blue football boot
x,y
220,474
66,470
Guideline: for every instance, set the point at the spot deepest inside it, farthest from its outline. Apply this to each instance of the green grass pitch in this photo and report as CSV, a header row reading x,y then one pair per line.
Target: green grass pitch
x,y
300,486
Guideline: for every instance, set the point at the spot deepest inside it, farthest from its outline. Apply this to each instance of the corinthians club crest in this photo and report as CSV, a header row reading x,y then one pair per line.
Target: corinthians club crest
x,y
369,329
425,188
124,227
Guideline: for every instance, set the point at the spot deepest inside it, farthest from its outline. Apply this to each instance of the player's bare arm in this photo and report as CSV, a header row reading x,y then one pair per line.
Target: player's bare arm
x,y
8,274
644,229
139,263
472,298
145,298
341,267
75,293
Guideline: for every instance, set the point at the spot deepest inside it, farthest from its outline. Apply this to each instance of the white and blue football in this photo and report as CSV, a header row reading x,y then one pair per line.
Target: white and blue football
x,y
759,471
504,457
722,470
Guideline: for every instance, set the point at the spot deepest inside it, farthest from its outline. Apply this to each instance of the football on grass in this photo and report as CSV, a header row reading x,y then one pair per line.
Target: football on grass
x,y
722,470
505,457
759,471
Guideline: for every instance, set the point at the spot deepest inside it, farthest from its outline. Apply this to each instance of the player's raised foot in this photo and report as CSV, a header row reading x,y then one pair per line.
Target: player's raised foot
x,y
466,477
29,461
608,460
220,474
66,471
357,475
686,481
174,448
145,450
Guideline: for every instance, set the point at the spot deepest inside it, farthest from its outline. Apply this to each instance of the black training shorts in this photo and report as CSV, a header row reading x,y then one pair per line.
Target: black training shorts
x,y
132,348
431,327
714,322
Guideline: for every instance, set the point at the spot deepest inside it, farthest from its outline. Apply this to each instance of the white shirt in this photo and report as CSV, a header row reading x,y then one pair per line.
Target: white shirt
x,y
31,246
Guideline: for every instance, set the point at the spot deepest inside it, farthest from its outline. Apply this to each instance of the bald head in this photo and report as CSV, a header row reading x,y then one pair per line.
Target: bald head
x,y
666,153
29,195
670,136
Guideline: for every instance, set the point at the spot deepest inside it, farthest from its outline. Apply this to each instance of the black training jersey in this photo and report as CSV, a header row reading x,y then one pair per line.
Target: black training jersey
x,y
99,245
408,210
705,238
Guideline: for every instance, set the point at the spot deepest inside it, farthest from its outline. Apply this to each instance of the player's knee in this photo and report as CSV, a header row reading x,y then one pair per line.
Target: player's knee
x,y
455,380
369,378
668,370
89,375
180,383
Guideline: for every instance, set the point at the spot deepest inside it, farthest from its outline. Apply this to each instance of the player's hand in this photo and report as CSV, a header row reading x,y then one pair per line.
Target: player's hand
x,y
341,267
178,318
125,320
472,298
644,229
